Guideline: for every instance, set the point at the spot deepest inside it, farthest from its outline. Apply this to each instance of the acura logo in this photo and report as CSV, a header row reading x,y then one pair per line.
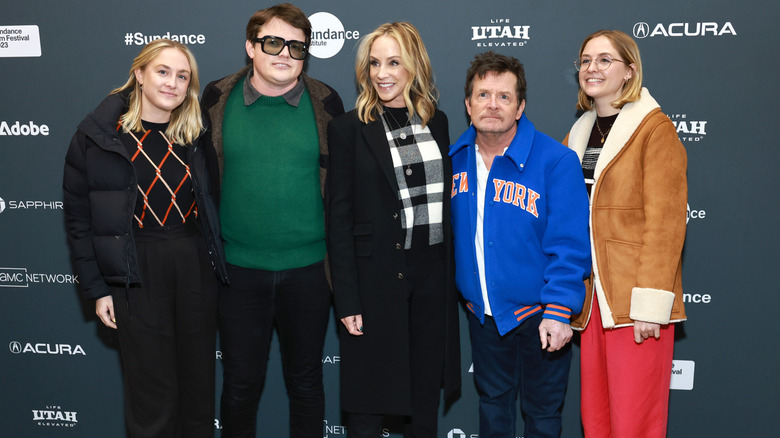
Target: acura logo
x,y
456,433
2,205
641,30
15,347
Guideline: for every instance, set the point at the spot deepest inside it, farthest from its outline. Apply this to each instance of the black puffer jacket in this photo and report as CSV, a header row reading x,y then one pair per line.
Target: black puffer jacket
x,y
100,193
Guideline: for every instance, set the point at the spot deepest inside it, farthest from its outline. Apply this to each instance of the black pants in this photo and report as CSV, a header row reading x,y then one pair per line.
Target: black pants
x,y
297,302
426,283
167,336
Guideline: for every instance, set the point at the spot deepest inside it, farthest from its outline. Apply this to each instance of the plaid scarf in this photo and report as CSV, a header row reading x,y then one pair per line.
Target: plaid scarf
x,y
419,172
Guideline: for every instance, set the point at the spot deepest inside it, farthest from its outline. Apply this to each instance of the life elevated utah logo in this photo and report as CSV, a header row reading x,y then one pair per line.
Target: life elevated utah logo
x,y
54,416
688,129
23,129
501,32
700,29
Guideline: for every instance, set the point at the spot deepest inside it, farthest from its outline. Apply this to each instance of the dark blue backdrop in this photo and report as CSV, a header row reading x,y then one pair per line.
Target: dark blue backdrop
x,y
711,65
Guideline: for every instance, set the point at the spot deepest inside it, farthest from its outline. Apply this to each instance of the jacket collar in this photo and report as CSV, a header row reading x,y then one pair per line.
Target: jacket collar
x,y
226,85
518,149
105,117
214,103
629,118
100,125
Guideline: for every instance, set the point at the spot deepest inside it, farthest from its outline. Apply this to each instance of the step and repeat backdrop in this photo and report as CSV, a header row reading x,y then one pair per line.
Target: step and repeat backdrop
x,y
711,64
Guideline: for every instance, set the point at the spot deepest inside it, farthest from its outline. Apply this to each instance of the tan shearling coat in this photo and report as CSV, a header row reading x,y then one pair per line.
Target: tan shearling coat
x,y
637,217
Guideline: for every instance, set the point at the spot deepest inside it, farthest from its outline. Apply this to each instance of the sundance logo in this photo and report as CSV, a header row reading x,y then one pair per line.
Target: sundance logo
x,y
17,347
54,416
682,374
696,298
694,214
328,35
20,41
644,30
23,129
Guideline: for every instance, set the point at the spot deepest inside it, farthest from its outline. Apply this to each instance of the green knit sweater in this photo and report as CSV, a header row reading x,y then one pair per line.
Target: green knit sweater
x,y
271,209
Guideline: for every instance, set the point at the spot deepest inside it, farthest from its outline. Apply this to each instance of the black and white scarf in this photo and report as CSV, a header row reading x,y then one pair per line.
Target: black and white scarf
x,y
420,176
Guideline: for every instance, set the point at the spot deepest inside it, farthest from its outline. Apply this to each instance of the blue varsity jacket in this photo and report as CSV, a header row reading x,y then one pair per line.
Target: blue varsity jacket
x,y
537,247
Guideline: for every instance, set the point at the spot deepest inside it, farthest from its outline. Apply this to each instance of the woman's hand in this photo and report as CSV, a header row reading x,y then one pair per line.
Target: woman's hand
x,y
354,324
104,307
644,330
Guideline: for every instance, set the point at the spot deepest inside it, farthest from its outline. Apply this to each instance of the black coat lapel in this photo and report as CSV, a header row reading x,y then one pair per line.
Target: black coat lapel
x,y
376,138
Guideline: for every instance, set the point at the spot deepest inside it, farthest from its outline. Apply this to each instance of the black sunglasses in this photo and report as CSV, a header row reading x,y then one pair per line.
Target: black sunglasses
x,y
274,45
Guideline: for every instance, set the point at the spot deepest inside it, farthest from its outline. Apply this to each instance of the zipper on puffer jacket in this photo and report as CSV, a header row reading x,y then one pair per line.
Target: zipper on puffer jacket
x,y
127,278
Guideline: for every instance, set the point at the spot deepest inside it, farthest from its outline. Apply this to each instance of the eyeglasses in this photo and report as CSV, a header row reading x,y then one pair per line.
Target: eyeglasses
x,y
274,45
602,63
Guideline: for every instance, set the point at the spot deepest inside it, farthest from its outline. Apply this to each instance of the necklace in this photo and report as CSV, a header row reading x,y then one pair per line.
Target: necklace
x,y
603,135
402,135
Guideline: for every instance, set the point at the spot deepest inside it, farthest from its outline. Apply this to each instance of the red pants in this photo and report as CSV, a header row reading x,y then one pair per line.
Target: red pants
x,y
625,385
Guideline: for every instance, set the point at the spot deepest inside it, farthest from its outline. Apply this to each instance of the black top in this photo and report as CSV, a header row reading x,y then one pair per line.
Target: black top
x,y
168,194
595,144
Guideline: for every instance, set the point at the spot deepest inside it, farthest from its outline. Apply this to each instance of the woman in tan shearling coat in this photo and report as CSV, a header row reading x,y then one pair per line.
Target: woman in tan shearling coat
x,y
634,166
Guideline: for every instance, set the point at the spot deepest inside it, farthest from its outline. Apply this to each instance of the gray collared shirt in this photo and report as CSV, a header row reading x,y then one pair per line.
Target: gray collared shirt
x,y
292,97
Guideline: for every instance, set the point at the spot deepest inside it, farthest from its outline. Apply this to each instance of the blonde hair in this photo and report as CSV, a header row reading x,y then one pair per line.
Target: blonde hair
x,y
420,93
186,123
628,51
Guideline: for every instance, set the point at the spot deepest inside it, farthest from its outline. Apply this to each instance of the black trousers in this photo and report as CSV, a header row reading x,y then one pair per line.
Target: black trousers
x,y
167,336
296,301
426,283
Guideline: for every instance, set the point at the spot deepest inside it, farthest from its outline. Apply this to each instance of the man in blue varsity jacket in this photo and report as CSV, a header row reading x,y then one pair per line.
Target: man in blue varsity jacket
x,y
520,220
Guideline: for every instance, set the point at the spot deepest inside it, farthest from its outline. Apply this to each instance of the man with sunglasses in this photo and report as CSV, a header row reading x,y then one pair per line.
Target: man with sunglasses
x,y
268,125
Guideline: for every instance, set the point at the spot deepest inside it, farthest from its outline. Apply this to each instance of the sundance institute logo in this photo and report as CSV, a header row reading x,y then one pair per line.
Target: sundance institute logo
x,y
328,35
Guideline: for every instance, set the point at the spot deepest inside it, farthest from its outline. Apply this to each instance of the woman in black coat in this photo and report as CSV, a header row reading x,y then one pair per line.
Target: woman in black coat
x,y
389,240
144,237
